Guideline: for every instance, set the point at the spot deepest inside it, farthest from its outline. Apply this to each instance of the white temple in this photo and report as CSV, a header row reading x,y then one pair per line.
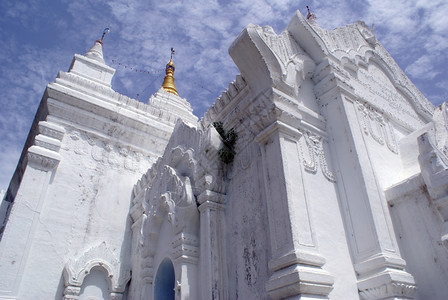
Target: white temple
x,y
320,173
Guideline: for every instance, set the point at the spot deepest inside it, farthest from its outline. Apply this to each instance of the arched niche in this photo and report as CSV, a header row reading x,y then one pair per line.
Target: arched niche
x,y
164,282
102,262
96,285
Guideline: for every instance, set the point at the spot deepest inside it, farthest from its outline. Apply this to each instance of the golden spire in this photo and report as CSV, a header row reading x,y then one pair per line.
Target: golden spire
x,y
168,82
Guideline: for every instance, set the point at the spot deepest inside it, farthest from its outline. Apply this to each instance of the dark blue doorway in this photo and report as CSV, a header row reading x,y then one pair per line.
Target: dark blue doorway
x,y
164,282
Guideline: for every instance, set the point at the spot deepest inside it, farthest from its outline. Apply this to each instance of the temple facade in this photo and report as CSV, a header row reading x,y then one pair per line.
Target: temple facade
x,y
321,172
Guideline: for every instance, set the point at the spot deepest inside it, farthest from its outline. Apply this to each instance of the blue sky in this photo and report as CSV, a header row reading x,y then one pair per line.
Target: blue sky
x,y
40,37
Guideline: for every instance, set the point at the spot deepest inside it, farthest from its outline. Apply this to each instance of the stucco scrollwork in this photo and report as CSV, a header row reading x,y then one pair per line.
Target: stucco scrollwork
x,y
312,150
179,201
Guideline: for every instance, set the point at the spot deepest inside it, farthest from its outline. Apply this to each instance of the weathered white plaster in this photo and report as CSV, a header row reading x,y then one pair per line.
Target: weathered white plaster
x,y
336,186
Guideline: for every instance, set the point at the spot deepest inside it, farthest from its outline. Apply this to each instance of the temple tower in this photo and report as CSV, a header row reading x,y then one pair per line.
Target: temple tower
x,y
67,206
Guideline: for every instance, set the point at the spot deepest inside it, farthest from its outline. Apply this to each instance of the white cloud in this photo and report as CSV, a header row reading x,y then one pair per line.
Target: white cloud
x,y
422,68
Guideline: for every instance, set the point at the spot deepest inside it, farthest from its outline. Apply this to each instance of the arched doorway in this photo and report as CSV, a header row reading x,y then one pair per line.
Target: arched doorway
x,y
164,282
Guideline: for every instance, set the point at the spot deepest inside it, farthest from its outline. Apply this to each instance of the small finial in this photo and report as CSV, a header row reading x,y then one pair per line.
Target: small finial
x,y
310,16
106,30
172,53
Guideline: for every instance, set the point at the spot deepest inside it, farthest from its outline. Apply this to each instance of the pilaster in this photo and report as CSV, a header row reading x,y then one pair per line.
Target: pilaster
x,y
42,160
186,257
213,255
296,264
377,261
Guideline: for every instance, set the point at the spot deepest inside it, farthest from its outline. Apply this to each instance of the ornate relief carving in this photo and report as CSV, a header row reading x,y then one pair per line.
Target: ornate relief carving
x,y
367,33
343,39
377,126
101,256
178,200
296,65
51,130
358,44
40,160
106,152
169,195
282,45
417,98
314,146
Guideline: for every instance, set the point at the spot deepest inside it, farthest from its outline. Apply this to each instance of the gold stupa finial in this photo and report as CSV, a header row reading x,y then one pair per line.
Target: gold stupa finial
x,y
168,82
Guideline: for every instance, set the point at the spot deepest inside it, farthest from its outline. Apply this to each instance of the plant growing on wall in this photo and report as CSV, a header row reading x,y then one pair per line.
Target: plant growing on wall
x,y
227,152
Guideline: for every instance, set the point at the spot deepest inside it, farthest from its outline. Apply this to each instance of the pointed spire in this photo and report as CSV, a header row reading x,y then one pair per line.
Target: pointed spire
x,y
96,52
168,82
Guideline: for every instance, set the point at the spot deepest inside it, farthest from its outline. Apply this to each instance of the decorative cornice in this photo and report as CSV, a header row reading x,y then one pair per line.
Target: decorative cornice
x,y
84,86
43,159
277,126
212,197
185,247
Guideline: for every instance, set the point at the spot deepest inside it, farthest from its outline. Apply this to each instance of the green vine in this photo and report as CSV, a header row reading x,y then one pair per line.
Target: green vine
x,y
227,152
